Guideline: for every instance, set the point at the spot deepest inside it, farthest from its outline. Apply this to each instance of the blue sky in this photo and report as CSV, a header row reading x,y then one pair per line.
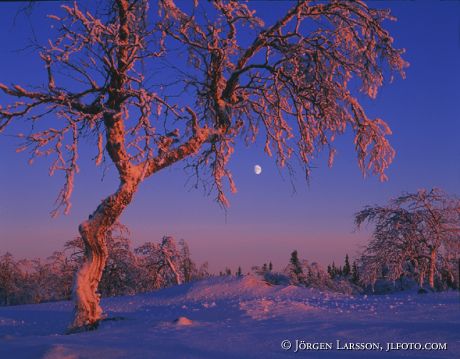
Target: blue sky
x,y
266,220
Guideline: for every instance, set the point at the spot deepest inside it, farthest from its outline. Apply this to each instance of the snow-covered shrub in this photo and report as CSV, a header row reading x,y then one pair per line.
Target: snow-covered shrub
x,y
304,273
386,286
276,278
318,278
294,270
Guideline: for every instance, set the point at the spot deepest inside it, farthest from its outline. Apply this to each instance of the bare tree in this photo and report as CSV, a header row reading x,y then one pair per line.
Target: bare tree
x,y
420,229
438,218
288,81
162,263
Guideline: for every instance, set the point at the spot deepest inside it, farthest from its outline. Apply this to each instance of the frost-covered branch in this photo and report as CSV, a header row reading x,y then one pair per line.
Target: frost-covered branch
x,y
115,77
417,231
289,83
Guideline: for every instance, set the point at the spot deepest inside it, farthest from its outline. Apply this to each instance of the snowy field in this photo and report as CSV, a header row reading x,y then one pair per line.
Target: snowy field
x,y
237,318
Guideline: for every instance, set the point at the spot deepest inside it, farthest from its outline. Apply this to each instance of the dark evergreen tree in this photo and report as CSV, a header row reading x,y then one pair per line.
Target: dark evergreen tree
x,y
346,268
270,266
239,273
334,271
295,270
265,268
329,271
354,273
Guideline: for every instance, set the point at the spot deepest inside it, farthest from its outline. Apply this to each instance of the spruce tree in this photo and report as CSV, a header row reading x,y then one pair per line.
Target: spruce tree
x,y
346,268
329,271
296,273
354,273
270,266
333,270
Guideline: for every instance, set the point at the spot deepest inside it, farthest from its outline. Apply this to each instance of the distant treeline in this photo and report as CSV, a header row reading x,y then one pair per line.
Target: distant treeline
x,y
352,278
415,242
146,268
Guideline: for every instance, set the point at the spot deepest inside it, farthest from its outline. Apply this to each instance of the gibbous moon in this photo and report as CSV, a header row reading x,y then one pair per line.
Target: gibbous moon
x,y
257,169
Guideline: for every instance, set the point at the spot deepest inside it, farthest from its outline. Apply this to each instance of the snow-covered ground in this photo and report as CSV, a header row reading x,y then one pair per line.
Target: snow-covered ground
x,y
237,318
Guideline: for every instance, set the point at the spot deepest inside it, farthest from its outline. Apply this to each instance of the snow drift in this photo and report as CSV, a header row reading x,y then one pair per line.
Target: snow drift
x,y
228,317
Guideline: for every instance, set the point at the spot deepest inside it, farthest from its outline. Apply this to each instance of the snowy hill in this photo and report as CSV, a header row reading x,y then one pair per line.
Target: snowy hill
x,y
237,318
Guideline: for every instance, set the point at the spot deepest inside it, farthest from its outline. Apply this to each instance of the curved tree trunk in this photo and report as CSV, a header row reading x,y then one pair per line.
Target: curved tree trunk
x,y
88,312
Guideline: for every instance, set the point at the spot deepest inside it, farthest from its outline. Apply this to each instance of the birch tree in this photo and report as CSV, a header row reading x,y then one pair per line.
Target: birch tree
x,y
438,218
420,229
288,81
162,262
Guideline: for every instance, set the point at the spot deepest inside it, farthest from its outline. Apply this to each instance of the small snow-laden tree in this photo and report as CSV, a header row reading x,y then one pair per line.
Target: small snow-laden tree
x,y
148,259
9,279
41,279
170,261
421,229
295,271
354,273
368,270
61,272
26,283
203,271
316,276
260,270
161,263
346,266
113,76
188,268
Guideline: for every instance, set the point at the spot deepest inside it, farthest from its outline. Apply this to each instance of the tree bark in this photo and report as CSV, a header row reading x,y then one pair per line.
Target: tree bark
x,y
87,311
174,270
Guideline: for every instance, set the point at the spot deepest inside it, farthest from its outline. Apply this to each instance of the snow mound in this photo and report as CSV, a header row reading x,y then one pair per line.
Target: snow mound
x,y
183,321
60,352
224,288
266,309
